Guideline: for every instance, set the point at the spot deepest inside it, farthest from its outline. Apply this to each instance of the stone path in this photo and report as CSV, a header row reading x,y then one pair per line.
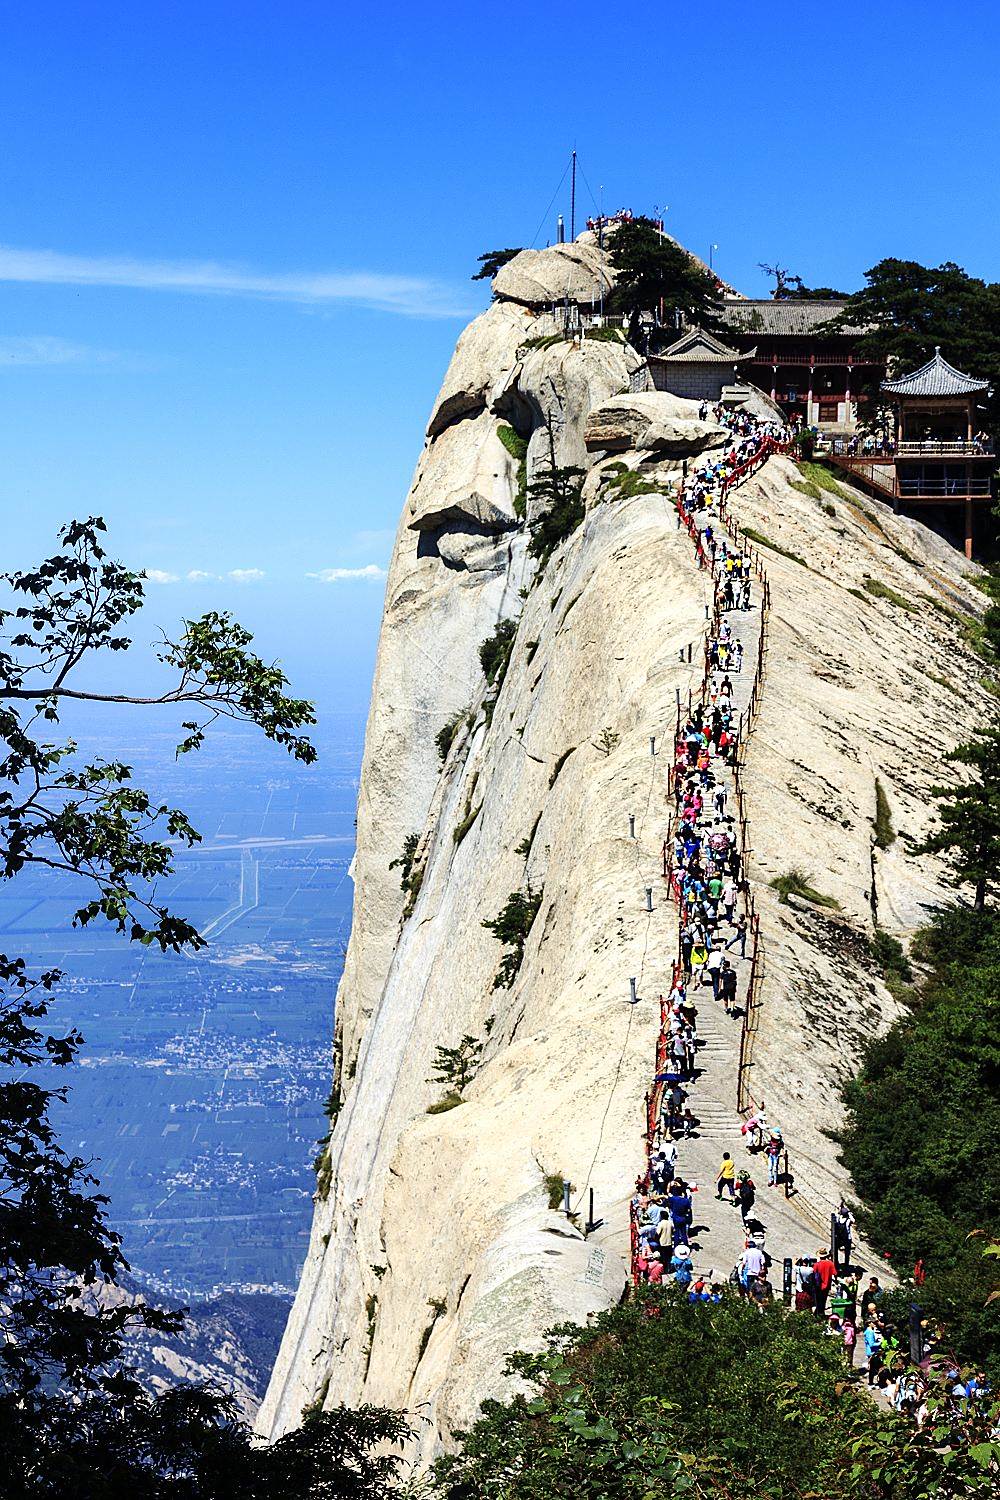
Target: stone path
x,y
718,1238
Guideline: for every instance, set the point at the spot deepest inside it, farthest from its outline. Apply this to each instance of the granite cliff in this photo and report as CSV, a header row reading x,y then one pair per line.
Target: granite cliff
x,y
435,1249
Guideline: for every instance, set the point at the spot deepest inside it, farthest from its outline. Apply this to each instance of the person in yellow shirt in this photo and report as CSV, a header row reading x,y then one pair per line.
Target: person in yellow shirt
x,y
726,1178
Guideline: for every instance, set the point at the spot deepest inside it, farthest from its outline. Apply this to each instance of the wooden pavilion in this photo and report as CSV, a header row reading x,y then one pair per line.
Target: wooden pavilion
x,y
939,455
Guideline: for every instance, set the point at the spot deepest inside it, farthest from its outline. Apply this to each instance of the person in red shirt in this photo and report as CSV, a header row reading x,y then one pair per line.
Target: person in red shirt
x,y
823,1271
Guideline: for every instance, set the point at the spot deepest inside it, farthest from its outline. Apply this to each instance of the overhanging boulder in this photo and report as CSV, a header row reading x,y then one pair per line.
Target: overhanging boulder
x,y
652,421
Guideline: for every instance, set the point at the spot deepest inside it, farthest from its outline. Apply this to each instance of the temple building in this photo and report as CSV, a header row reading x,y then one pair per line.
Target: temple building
x,y
698,366
814,375
940,456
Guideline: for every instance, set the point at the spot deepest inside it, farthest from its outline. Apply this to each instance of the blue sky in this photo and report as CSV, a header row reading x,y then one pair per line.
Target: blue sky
x,y
236,241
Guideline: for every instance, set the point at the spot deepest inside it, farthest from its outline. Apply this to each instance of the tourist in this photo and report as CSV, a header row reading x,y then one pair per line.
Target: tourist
x,y
729,898
873,1350
746,1195
751,1263
773,1151
714,970
727,987
726,1179
849,1339
823,1271
870,1299
681,1266
804,1285
681,1210
739,937
843,1233
760,1292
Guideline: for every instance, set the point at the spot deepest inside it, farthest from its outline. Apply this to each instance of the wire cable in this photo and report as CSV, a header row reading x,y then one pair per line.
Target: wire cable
x,y
550,203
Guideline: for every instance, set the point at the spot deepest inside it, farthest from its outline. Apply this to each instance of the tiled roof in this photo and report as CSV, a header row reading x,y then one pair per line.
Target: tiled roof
x,y
698,347
792,317
936,378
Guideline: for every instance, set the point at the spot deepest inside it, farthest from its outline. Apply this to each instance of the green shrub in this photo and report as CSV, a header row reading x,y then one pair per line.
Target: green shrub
x,y
626,482
890,955
495,652
411,876
451,1100
605,335
517,447
806,487
463,827
524,847
323,1167
763,541
880,590
794,883
885,834
511,926
404,862
659,1397
554,1189
820,475
446,735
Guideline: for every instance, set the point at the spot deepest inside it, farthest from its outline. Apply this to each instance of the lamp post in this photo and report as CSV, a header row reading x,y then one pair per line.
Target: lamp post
x,y
711,251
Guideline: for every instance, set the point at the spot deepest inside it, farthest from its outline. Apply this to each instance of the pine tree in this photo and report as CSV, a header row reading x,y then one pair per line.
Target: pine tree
x,y
969,814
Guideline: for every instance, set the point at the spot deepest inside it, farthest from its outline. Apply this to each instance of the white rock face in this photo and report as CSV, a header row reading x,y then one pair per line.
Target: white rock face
x,y
854,693
436,1251
537,278
486,346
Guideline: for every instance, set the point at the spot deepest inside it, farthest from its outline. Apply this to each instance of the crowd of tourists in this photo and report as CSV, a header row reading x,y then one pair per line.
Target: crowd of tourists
x,y
708,882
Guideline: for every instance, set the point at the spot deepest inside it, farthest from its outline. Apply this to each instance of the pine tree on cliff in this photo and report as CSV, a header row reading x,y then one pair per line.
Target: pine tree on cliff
x,y
969,815
654,274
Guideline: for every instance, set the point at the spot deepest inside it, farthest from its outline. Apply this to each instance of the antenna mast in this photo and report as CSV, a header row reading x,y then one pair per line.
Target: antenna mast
x,y
572,201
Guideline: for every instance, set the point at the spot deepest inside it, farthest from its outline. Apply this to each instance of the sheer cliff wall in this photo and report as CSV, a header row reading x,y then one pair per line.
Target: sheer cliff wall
x,y
435,1251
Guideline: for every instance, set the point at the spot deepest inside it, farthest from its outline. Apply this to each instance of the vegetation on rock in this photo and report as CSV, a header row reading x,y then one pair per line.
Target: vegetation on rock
x,y
922,1125
662,1397
511,926
650,270
517,447
795,883
495,651
558,497
490,263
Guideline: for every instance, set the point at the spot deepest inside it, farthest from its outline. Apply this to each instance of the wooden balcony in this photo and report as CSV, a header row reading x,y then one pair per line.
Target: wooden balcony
x,y
932,448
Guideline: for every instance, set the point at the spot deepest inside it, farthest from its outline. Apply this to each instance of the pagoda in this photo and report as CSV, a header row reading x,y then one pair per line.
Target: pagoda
x,y
939,456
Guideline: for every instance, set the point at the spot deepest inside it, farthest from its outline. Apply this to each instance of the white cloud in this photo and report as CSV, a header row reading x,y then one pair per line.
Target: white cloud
x,y
157,575
337,575
245,575
198,575
44,349
414,296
